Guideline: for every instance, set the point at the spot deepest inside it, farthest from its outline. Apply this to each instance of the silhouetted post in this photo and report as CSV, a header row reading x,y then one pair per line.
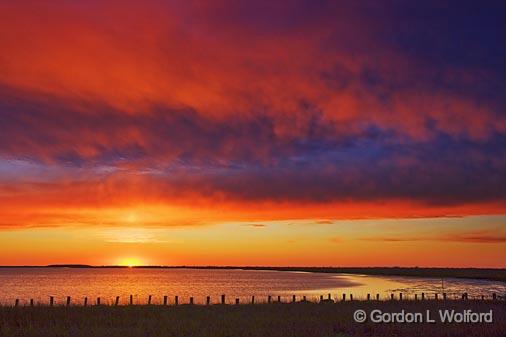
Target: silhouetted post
x,y
400,296
494,296
236,301
68,301
436,296
149,299
279,299
368,297
208,300
191,300
444,296
176,300
31,302
16,303
392,297
330,296
321,298
423,296
416,297
293,299
98,300
165,300
222,299
344,297
252,299
85,301
351,297
482,297
117,301
269,298
304,298
51,301
377,297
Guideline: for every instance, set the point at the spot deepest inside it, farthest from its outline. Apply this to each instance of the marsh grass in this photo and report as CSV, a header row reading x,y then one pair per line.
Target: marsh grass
x,y
277,319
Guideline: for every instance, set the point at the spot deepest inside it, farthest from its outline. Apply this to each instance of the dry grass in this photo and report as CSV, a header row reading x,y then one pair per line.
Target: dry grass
x,y
277,319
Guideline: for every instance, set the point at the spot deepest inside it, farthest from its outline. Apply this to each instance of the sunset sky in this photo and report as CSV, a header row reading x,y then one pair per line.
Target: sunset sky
x,y
326,133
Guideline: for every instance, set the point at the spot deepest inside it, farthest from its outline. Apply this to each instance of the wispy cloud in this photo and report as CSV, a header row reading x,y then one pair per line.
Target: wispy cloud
x,y
487,236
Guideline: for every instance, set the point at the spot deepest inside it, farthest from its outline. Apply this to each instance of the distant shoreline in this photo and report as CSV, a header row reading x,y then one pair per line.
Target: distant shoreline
x,y
493,274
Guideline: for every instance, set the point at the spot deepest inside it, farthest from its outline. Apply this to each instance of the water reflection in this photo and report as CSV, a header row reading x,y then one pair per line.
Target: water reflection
x,y
40,283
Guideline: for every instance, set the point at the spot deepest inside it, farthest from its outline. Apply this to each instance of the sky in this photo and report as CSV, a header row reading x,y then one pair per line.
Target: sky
x,y
294,133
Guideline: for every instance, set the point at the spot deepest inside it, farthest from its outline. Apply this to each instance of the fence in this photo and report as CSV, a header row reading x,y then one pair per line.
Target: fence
x,y
223,299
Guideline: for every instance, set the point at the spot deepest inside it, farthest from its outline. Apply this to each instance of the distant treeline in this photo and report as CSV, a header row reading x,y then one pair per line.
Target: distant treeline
x,y
496,274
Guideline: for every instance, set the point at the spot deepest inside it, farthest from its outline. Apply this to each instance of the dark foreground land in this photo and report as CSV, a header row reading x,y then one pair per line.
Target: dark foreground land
x,y
262,320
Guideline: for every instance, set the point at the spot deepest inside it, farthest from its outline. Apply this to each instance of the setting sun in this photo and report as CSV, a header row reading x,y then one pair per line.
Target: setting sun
x,y
130,262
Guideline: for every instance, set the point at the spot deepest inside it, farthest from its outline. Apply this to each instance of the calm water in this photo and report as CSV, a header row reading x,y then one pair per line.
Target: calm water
x,y
40,283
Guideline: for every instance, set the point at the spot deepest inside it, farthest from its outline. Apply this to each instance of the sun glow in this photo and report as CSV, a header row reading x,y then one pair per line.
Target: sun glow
x,y
130,262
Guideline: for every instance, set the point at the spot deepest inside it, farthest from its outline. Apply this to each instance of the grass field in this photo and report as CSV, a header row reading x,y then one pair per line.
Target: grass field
x,y
277,319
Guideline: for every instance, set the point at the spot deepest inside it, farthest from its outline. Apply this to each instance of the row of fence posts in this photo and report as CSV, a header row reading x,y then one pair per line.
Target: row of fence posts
x,y
269,299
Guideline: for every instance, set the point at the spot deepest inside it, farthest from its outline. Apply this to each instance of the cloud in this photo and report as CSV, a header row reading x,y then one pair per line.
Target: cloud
x,y
480,236
344,109
257,225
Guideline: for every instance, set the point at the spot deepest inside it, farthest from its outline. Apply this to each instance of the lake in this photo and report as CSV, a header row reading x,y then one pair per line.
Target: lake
x,y
107,283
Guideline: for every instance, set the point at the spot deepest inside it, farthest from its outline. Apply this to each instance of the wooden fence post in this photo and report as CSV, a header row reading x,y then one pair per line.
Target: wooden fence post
x,y
117,301
149,300
51,301
191,300
223,299
416,297
368,297
68,301
131,301
392,297
344,297
321,298
98,300
208,300
269,299
253,299
330,296
436,296
351,297
304,298
236,301
16,303
444,296
423,296
31,302
85,301
293,298
165,300
176,300
377,297
400,296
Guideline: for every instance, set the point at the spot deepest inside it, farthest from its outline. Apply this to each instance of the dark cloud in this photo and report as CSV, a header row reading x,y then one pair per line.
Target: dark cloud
x,y
305,102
